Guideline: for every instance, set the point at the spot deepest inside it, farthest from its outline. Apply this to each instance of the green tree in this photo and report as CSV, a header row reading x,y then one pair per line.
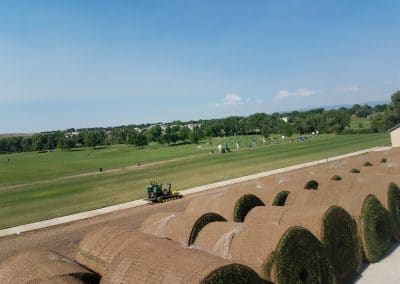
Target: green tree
x,y
140,140
195,136
173,137
183,133
92,138
154,133
165,138
288,130
265,131
379,123
69,143
390,117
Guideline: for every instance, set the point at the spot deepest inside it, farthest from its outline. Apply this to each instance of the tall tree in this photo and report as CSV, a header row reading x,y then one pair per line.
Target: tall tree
x,y
140,140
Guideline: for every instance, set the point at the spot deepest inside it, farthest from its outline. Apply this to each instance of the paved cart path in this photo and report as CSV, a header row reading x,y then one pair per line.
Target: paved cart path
x,y
385,271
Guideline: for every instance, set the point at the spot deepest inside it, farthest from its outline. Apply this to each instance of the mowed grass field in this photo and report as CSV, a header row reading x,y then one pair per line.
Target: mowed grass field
x,y
37,186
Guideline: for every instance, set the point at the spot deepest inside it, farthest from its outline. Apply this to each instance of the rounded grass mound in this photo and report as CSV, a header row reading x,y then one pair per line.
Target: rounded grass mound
x,y
201,223
393,201
233,273
355,171
336,178
280,198
244,204
341,241
375,228
312,184
367,164
299,258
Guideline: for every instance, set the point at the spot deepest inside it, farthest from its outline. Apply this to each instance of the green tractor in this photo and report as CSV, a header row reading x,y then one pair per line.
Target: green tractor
x,y
156,192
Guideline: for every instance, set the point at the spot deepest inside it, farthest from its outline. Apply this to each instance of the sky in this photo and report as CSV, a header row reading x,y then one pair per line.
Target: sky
x,y
75,64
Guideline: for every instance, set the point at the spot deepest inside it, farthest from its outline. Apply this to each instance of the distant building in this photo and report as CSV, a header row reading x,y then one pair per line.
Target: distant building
x,y
395,135
71,134
285,119
192,126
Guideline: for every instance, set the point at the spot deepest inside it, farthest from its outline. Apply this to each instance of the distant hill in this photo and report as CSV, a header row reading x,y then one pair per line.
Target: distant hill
x,y
372,103
15,134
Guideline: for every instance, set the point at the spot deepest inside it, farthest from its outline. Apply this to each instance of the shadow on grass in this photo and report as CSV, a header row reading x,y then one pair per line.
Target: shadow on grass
x,y
100,147
179,143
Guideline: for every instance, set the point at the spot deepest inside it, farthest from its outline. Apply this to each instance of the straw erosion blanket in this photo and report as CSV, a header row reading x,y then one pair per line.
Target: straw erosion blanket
x,y
280,254
133,257
40,266
332,225
180,227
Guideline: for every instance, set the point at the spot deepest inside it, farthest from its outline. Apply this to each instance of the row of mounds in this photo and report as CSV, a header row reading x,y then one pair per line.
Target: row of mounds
x,y
120,256
315,225
265,240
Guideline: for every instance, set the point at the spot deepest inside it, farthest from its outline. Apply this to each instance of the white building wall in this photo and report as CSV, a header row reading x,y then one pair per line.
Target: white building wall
x,y
395,137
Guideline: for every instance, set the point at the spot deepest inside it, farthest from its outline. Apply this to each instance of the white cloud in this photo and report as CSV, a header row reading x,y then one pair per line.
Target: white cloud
x,y
230,99
348,89
302,92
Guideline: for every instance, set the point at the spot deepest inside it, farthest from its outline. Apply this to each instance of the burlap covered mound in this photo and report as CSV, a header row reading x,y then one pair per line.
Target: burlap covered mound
x,y
280,254
39,266
233,204
179,227
141,258
332,225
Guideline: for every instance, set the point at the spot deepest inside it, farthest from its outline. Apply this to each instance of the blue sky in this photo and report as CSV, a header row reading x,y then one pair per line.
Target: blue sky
x,y
102,63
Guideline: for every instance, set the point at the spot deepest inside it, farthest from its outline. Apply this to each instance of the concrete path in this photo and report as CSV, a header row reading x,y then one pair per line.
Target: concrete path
x,y
88,214
385,271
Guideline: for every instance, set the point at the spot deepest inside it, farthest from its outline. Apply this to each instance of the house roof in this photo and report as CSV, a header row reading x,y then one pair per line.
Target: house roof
x,y
394,127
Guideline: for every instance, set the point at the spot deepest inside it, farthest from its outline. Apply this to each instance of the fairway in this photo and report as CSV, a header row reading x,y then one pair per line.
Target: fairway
x,y
37,186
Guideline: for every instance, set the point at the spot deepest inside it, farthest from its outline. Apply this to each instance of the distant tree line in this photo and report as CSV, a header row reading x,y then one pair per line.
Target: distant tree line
x,y
382,121
296,122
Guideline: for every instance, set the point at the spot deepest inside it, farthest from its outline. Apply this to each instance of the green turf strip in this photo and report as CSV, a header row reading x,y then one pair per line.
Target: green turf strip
x,y
244,205
341,242
375,229
299,258
394,209
202,222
